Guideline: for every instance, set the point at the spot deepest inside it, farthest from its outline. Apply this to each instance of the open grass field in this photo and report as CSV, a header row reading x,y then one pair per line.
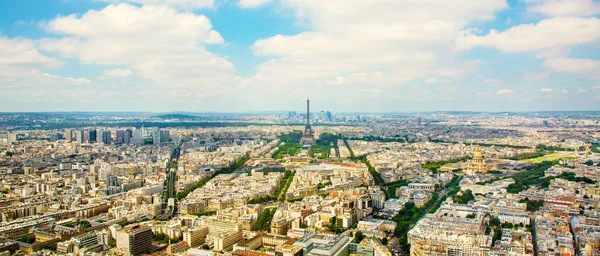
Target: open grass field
x,y
549,157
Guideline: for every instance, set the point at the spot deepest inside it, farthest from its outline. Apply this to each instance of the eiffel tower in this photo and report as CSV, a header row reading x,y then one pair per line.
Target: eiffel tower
x,y
308,137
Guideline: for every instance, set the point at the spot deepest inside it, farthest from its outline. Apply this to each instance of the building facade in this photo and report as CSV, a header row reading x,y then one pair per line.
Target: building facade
x,y
134,240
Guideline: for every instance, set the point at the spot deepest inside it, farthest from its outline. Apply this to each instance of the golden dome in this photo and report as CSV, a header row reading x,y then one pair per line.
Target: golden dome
x,y
477,153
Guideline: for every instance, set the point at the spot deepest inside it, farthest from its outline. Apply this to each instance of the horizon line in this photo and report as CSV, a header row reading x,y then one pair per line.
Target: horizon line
x,y
284,111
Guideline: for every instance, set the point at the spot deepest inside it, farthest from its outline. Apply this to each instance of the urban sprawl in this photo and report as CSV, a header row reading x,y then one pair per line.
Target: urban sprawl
x,y
300,183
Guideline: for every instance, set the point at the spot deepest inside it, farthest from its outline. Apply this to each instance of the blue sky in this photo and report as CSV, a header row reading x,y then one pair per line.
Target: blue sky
x,y
264,55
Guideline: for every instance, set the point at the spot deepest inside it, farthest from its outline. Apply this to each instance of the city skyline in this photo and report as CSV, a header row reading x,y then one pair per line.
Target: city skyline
x,y
300,183
267,55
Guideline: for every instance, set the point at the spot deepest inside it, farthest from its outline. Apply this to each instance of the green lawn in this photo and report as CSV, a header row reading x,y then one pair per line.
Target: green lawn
x,y
549,157
324,144
289,149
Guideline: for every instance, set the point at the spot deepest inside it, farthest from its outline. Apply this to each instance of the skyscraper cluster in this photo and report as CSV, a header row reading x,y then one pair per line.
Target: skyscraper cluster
x,y
93,136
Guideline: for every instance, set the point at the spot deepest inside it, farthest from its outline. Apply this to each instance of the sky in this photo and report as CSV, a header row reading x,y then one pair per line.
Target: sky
x,y
270,55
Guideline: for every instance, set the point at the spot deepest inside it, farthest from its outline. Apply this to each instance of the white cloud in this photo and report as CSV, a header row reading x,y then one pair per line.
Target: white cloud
x,y
504,92
252,3
552,90
398,41
449,88
581,91
431,80
27,85
535,76
564,7
358,78
597,87
552,53
458,70
492,81
352,45
21,79
570,65
22,51
117,73
53,78
157,42
181,4
548,33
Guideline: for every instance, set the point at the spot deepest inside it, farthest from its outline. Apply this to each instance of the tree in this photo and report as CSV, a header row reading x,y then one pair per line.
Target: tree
x,y
85,224
28,239
497,234
534,205
359,236
161,238
384,241
465,197
9,154
495,222
51,247
264,220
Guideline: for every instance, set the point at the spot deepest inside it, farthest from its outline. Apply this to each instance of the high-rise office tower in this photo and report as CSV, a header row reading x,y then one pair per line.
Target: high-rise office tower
x,y
291,114
156,137
69,135
164,136
80,136
106,137
138,137
128,136
92,136
120,137
12,137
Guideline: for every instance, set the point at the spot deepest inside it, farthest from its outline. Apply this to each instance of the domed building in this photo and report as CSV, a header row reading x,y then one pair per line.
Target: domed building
x,y
478,164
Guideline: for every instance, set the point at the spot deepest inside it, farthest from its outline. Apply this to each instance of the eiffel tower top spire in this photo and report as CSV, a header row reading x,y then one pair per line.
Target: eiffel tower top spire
x,y
307,112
